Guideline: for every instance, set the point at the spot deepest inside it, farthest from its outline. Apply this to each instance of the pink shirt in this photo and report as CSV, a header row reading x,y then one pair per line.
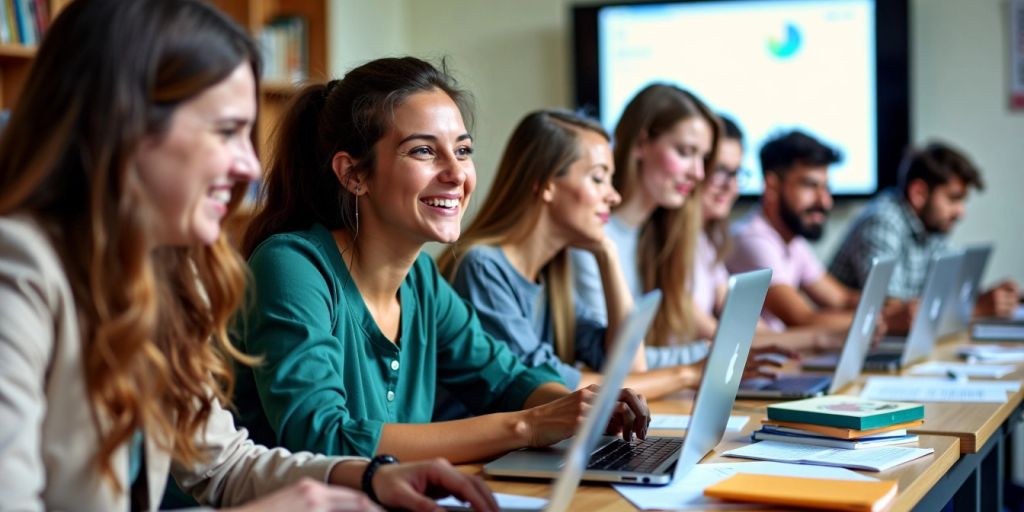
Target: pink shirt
x,y
708,275
759,245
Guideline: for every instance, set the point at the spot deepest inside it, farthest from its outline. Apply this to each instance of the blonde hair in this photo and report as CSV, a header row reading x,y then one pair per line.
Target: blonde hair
x,y
542,146
666,246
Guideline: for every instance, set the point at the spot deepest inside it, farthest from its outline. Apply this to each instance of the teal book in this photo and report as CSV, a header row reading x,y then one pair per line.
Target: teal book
x,y
846,412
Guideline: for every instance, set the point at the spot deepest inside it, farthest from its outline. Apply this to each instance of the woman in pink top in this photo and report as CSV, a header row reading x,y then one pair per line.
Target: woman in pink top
x,y
718,193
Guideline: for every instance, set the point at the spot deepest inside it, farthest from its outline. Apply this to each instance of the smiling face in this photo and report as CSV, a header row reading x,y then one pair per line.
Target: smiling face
x,y
721,187
188,172
672,163
424,172
581,199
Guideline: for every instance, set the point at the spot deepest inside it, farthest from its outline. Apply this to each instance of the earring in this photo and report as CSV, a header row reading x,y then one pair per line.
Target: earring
x,y
356,235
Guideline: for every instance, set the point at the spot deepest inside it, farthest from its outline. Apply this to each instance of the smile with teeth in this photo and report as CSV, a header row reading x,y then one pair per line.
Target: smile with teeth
x,y
221,195
438,202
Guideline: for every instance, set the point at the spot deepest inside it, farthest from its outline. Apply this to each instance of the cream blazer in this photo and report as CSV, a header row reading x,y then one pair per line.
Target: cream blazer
x,y
48,440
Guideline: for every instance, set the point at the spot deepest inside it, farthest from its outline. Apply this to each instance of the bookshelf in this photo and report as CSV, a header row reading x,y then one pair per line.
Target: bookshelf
x,y
257,15
16,59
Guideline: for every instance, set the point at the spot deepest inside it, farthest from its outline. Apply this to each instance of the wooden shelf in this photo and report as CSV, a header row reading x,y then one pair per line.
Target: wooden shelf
x,y
278,89
16,61
17,52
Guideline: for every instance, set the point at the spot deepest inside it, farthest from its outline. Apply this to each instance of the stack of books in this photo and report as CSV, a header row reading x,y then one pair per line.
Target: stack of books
x,y
841,422
843,431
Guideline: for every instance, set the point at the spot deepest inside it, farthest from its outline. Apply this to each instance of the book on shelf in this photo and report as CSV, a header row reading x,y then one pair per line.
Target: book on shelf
x,y
846,412
23,21
784,435
843,433
817,493
285,52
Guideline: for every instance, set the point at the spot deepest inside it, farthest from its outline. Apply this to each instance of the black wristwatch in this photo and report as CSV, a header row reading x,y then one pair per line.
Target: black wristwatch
x,y
371,469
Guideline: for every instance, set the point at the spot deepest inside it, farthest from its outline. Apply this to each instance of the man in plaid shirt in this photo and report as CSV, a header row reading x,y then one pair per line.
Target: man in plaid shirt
x,y
910,223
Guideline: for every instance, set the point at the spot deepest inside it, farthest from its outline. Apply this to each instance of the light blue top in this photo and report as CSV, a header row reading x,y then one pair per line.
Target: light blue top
x,y
516,310
590,292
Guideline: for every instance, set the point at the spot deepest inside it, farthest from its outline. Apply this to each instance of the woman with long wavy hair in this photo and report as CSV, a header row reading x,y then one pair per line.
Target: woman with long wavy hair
x,y
552,192
129,145
663,142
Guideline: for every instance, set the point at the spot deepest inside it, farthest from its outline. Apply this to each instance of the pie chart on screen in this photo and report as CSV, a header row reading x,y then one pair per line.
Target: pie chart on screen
x,y
788,45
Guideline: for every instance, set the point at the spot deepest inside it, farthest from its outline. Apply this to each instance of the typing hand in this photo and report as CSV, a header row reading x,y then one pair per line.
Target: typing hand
x,y
764,361
631,416
556,420
1001,300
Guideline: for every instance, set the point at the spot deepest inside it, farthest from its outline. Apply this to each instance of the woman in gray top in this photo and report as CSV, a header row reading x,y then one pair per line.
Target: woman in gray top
x,y
552,192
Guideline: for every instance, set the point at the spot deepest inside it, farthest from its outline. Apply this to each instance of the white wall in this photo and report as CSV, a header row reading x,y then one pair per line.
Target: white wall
x,y
362,30
515,57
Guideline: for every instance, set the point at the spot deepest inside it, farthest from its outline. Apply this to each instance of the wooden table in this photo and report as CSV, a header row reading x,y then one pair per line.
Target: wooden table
x,y
916,478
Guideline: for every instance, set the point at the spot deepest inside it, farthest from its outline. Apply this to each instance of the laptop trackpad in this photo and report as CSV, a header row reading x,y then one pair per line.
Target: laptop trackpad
x,y
530,461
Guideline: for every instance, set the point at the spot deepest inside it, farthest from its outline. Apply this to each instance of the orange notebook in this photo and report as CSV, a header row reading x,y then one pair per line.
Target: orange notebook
x,y
842,433
815,493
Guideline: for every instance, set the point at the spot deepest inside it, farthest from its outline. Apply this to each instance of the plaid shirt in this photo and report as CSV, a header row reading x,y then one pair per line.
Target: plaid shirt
x,y
887,227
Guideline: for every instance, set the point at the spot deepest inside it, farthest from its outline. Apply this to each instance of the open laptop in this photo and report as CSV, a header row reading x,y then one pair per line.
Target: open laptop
x,y
959,309
651,461
943,274
850,360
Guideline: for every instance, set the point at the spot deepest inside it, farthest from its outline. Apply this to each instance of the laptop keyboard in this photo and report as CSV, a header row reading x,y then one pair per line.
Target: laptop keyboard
x,y
641,456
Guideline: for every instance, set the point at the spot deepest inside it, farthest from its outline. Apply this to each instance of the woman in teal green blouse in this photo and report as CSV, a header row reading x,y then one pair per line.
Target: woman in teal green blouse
x,y
355,325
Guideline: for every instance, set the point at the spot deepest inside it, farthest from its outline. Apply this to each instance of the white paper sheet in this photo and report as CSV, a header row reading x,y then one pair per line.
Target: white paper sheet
x,y
928,389
688,492
505,502
989,371
682,422
992,353
871,459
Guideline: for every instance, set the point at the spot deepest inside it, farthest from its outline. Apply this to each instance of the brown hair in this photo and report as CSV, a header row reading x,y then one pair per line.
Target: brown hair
x,y
665,250
542,146
936,164
351,115
152,318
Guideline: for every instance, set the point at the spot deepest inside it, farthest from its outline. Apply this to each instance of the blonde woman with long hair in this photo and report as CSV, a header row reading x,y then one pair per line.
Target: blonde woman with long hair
x,y
552,192
663,142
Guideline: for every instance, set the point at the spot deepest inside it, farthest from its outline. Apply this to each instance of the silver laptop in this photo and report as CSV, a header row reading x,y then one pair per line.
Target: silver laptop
x,y
959,309
943,274
627,342
651,461
848,362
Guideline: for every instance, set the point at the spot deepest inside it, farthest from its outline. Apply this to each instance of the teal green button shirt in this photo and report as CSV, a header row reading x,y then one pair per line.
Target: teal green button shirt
x,y
330,380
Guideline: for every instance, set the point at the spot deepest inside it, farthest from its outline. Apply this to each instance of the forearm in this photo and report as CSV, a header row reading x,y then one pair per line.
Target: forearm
x,y
459,441
800,339
828,320
654,384
545,393
348,473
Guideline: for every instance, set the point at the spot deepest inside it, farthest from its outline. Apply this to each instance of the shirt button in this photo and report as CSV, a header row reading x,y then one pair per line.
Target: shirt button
x,y
391,396
394,365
